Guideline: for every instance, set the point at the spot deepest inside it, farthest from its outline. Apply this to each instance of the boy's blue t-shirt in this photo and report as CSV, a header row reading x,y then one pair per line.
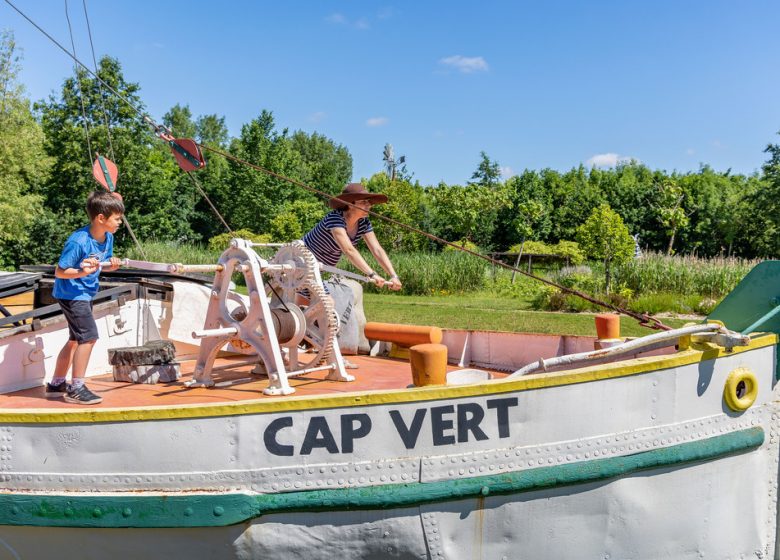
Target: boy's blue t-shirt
x,y
79,246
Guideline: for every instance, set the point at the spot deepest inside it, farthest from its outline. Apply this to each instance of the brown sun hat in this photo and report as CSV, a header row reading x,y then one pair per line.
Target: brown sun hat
x,y
354,192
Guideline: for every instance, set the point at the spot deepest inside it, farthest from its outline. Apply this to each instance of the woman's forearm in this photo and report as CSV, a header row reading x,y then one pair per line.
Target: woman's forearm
x,y
384,261
358,261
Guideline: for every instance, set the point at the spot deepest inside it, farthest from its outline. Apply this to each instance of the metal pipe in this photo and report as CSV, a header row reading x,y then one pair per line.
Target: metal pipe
x,y
630,347
762,320
309,370
206,333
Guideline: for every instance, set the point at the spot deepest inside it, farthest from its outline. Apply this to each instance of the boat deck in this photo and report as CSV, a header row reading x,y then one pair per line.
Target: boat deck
x,y
234,383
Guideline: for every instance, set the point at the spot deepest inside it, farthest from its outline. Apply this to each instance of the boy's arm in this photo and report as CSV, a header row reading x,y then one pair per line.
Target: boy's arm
x,y
88,266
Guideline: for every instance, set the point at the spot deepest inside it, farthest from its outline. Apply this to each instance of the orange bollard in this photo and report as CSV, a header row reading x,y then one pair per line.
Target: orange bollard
x,y
429,364
403,335
607,326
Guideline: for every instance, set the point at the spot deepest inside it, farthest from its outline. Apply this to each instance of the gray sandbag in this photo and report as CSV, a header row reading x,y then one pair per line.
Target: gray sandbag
x,y
344,298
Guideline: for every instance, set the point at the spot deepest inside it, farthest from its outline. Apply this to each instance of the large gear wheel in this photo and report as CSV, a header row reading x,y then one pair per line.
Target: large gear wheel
x,y
322,321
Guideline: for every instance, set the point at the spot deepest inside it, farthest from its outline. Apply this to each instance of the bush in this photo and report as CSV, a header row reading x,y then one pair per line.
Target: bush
x,y
533,247
465,244
222,241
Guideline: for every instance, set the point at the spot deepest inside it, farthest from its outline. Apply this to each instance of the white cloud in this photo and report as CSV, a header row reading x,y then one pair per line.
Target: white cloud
x,y
377,121
317,117
690,151
340,19
507,172
336,18
465,64
385,13
609,160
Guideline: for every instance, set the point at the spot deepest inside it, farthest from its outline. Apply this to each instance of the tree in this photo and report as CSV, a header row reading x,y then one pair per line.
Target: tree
x,y
671,210
605,236
24,166
158,204
255,197
465,213
405,204
325,164
488,173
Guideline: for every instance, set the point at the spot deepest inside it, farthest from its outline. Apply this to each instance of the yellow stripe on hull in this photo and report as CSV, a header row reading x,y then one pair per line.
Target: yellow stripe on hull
x,y
698,353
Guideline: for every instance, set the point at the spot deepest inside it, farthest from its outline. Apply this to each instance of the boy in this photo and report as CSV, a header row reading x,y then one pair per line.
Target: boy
x,y
75,284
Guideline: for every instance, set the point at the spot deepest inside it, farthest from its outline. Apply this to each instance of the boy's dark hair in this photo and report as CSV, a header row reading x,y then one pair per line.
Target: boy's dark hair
x,y
104,202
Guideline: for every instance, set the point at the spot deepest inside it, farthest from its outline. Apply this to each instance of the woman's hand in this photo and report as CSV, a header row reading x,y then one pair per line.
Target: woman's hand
x,y
378,280
395,283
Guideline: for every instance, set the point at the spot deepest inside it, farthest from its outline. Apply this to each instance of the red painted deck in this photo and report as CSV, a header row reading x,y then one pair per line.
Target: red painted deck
x,y
234,383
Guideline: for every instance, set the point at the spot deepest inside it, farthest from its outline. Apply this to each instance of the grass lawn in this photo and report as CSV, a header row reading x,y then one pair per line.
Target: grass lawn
x,y
486,312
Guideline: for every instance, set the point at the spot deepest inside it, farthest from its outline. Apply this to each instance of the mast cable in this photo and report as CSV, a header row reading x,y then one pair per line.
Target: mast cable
x,y
203,193
79,89
99,84
643,319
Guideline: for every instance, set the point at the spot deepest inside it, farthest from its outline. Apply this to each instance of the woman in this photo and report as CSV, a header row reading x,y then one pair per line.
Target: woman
x,y
342,229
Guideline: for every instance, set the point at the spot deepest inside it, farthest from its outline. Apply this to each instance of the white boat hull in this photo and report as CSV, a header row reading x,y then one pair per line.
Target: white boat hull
x,y
641,459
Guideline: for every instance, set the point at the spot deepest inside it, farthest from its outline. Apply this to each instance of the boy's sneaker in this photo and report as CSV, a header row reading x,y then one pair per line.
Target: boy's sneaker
x,y
81,395
56,391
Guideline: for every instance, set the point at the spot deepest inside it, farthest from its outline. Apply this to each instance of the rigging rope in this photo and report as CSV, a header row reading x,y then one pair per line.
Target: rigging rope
x,y
643,319
79,89
99,84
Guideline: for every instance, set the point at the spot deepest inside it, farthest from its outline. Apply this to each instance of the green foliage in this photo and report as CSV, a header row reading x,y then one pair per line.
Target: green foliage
x,y
222,241
570,250
24,165
532,247
405,204
434,273
463,244
656,273
665,302
174,252
605,236
488,172
465,212
323,163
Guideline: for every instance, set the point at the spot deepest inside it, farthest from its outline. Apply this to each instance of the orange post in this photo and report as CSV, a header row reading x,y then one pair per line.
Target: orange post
x,y
403,335
607,326
429,364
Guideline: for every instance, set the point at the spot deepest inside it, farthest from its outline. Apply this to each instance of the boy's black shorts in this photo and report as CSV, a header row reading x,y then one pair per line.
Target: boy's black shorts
x,y
81,323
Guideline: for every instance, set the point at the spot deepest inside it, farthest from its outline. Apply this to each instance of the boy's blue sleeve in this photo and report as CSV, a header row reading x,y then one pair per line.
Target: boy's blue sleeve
x,y
71,256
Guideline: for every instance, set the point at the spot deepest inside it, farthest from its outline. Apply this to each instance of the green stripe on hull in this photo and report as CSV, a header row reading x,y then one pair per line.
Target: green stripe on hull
x,y
205,510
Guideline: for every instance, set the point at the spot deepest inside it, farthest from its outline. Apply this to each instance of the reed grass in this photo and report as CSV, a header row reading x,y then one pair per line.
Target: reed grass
x,y
655,273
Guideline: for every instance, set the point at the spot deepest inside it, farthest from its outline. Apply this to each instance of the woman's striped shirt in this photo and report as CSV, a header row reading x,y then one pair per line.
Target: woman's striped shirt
x,y
320,240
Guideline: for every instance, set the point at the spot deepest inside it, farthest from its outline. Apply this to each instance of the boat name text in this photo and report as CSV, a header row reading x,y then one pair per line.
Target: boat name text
x,y
446,424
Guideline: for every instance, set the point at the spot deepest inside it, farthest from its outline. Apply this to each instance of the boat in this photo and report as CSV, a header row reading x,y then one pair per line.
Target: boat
x,y
534,446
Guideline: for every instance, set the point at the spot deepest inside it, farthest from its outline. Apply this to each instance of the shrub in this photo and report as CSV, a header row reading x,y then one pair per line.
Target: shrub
x,y
466,244
222,241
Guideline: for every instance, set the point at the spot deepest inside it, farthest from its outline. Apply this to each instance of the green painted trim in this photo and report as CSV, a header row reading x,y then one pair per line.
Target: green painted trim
x,y
210,510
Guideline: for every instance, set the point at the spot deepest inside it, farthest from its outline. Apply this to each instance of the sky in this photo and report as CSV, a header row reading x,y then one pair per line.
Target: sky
x,y
672,84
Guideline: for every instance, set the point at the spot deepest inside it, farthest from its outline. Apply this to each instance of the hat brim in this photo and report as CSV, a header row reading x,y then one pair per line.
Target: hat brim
x,y
341,201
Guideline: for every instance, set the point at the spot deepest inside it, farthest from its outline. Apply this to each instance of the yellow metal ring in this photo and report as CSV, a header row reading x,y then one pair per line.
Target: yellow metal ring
x,y
741,389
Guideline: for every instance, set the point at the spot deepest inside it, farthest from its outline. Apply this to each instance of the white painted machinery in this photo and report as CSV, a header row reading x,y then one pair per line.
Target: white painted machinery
x,y
271,321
